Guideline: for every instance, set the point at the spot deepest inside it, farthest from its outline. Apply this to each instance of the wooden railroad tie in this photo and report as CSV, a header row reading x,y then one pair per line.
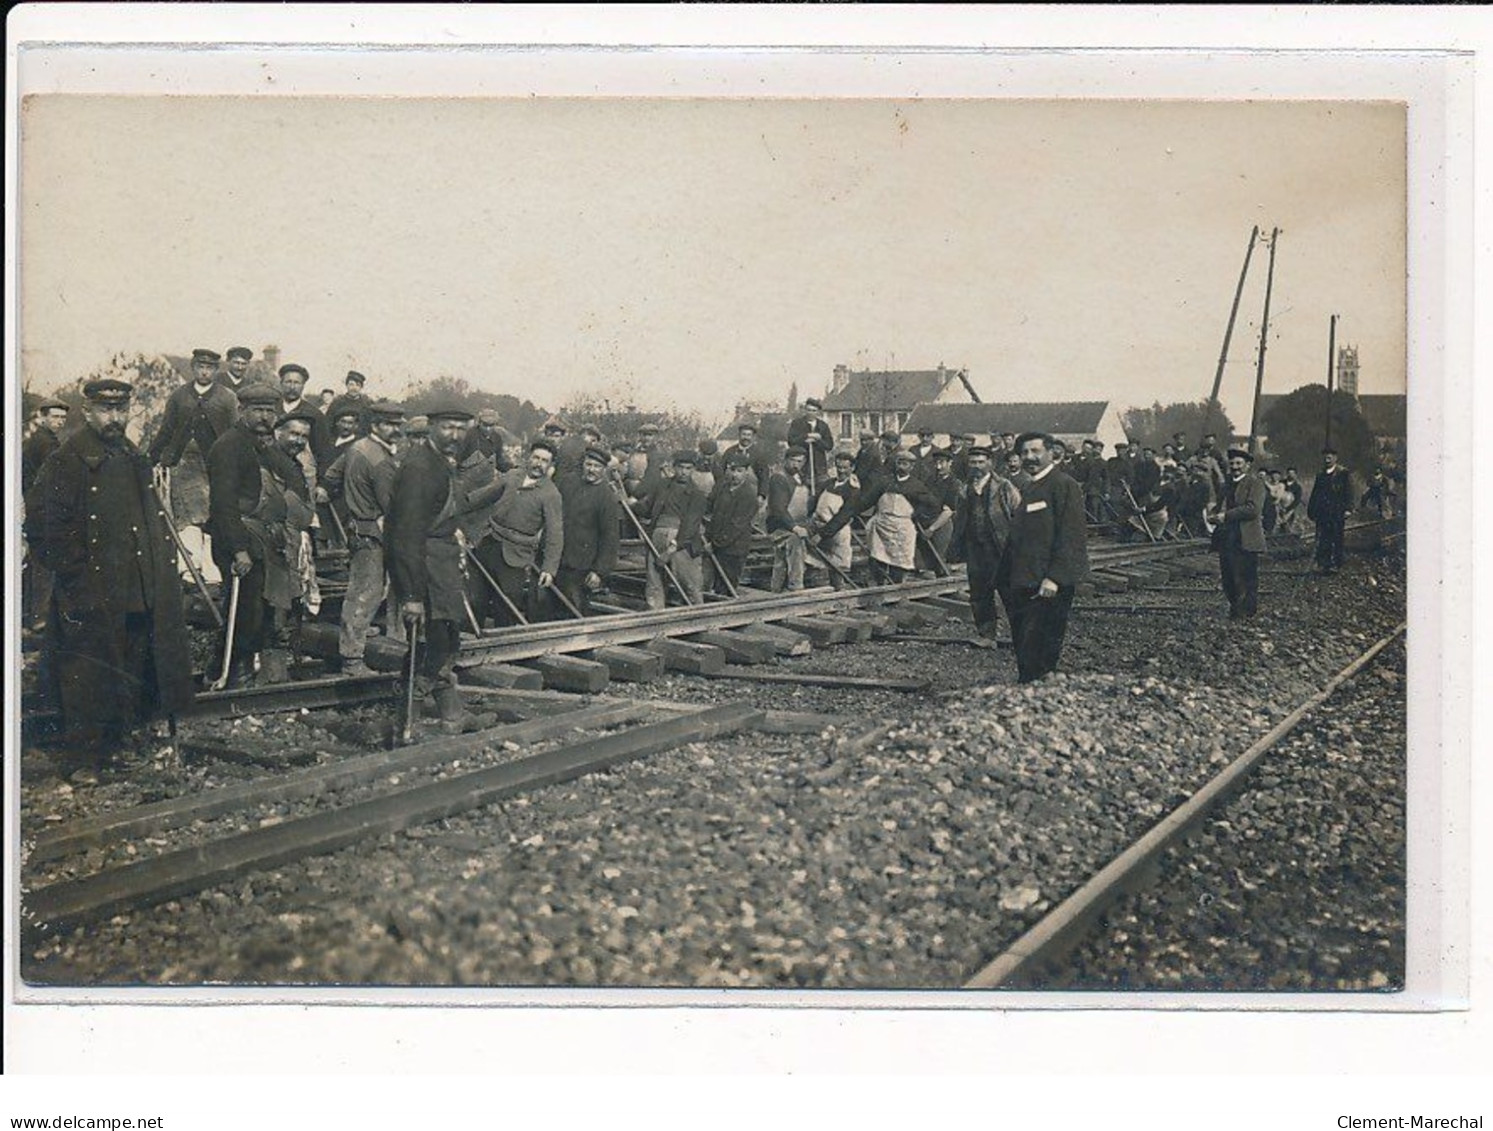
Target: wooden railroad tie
x,y
159,816
738,649
821,679
691,659
571,673
500,675
192,869
630,665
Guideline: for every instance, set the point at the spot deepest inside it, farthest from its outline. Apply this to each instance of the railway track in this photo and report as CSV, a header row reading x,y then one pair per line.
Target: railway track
x,y
1023,963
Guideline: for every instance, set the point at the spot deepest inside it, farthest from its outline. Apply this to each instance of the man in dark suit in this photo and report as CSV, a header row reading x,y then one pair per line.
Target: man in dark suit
x,y
234,376
425,565
196,414
1328,507
988,505
1045,559
1239,536
591,515
812,433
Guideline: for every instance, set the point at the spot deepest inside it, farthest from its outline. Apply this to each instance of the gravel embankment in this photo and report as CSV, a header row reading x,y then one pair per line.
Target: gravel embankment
x,y
1298,884
764,860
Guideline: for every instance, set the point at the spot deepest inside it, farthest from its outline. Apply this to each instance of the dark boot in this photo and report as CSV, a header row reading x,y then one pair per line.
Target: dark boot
x,y
274,666
455,718
240,673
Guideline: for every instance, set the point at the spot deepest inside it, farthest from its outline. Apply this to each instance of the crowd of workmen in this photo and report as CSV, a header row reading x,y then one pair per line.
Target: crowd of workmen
x,y
446,523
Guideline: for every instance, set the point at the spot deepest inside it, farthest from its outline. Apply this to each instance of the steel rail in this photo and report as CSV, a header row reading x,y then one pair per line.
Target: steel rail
x,y
1061,927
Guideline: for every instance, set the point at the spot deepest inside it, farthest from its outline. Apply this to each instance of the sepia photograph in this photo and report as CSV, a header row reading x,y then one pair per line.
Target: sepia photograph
x,y
897,544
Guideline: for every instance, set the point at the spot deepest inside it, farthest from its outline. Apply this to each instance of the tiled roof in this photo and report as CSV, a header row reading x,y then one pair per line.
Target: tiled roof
x,y
1059,417
873,391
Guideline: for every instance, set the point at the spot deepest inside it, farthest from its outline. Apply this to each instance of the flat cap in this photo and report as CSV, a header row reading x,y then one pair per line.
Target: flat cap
x,y
942,453
211,357
417,425
867,434
298,414
386,410
259,393
906,454
738,459
293,367
597,455
488,416
982,450
685,455
344,406
239,351
52,402
796,450
745,426
541,444
1241,453
555,424
892,437
355,377
814,403
844,454
708,447
108,391
449,412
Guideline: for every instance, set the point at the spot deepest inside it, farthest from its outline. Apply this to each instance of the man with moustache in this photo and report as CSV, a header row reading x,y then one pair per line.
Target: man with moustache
x,y
196,414
675,517
1045,558
117,642
591,516
728,529
1328,506
899,503
811,432
525,532
1239,535
757,458
290,592
235,372
293,380
247,480
788,521
842,492
988,506
425,563
367,487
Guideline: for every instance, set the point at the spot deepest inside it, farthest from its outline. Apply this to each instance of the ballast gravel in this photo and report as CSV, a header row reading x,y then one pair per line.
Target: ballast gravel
x,y
761,860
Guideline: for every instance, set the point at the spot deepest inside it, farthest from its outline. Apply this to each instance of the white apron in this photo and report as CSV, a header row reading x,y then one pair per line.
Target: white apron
x,y
893,539
837,550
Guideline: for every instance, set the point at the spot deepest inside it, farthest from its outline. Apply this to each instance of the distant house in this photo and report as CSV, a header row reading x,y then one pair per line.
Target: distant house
x,y
882,400
1069,421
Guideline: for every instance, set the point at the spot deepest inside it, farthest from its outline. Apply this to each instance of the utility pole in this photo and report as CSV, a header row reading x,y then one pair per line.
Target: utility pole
x,y
1331,365
1228,333
1254,415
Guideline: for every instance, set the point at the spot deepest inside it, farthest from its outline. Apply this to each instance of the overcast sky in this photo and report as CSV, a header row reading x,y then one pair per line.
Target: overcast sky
x,y
709,251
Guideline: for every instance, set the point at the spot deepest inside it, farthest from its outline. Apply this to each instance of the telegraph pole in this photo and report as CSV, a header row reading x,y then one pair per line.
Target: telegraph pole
x,y
1331,366
1254,416
1254,234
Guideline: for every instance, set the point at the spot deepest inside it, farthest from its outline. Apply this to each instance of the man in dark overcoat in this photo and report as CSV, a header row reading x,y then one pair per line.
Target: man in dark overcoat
x,y
51,415
1331,500
247,480
117,640
728,528
425,563
1045,559
591,517
1239,535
